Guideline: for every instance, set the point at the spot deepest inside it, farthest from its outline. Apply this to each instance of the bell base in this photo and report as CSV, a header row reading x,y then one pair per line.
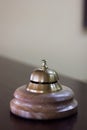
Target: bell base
x,y
56,105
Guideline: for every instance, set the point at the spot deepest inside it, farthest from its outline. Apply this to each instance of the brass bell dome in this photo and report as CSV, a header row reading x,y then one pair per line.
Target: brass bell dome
x,y
43,80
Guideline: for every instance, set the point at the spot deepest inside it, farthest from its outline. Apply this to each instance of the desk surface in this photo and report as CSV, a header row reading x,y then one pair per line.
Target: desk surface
x,y
13,75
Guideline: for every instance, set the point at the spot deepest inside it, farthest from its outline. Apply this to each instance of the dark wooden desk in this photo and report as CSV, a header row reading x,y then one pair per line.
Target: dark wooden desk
x,y
13,75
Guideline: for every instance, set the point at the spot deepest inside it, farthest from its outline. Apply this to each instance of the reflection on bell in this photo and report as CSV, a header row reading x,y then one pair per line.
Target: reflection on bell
x,y
44,97
43,80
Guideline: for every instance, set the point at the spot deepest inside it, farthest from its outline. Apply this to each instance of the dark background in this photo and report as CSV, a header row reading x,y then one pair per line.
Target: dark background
x,y
85,14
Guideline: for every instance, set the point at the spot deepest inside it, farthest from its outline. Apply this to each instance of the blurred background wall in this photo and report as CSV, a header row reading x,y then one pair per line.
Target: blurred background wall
x,y
31,30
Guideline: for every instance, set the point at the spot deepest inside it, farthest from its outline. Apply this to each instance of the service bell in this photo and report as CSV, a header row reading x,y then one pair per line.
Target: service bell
x,y
44,97
44,80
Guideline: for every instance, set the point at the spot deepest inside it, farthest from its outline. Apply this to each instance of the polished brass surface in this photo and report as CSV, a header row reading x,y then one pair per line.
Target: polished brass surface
x,y
44,74
43,88
43,80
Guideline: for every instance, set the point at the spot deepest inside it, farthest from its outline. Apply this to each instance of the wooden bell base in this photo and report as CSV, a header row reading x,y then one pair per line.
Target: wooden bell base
x,y
43,106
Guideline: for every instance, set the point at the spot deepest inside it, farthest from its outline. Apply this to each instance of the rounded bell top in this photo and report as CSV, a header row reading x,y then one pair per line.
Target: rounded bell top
x,y
44,75
43,80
